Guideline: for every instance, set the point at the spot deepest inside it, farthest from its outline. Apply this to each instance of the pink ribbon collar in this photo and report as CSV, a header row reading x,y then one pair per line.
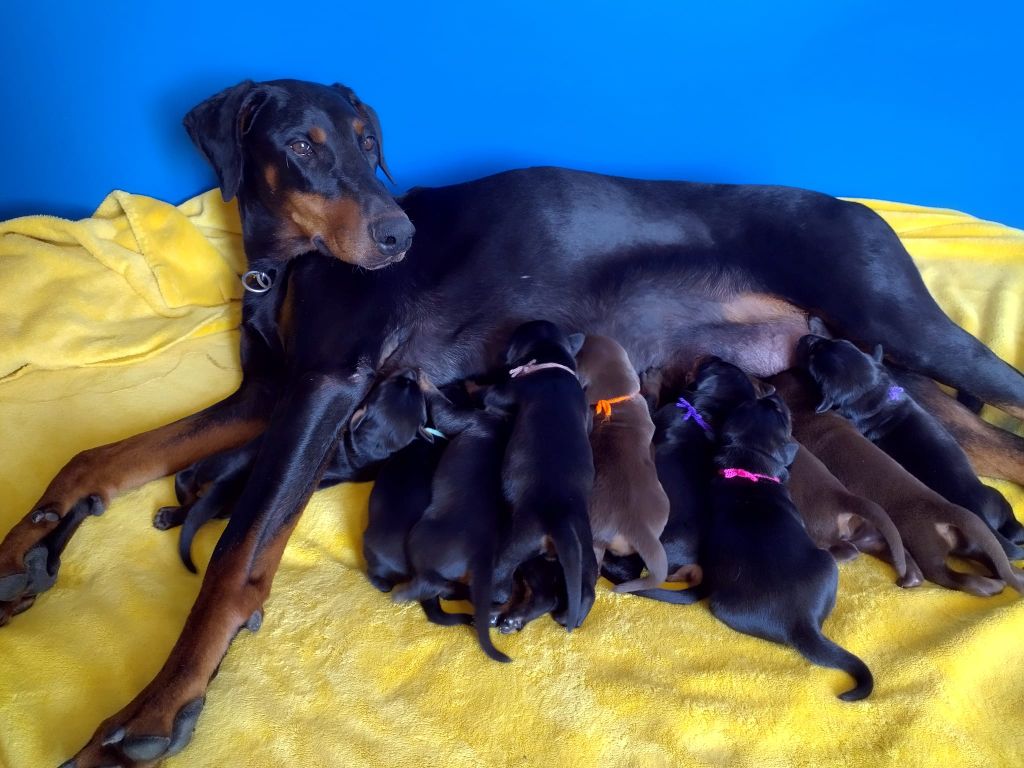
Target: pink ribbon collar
x,y
753,477
533,366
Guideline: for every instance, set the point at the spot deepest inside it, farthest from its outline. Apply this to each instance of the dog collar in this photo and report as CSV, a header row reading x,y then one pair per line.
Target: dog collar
x,y
435,432
895,393
753,477
691,412
533,366
604,407
257,281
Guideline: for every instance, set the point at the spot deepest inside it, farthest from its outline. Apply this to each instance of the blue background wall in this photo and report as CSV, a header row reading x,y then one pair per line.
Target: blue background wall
x,y
907,100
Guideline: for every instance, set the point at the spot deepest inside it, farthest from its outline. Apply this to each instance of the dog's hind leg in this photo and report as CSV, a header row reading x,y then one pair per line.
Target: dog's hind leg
x,y
30,553
653,554
993,452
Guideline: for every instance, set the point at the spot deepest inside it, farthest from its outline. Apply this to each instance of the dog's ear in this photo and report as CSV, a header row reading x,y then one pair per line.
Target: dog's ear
x,y
763,388
368,114
878,354
576,343
357,418
217,127
817,326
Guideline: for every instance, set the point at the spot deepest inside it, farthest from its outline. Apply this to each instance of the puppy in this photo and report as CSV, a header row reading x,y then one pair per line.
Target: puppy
x,y
684,442
931,527
548,471
459,531
843,523
859,387
762,572
628,507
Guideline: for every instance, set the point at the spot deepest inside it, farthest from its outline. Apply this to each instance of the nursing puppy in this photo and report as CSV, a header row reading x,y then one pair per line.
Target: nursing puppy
x,y
844,523
859,387
931,527
684,443
459,532
762,572
548,472
628,507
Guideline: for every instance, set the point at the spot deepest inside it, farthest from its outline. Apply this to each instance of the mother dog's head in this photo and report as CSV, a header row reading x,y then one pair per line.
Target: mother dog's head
x,y
302,159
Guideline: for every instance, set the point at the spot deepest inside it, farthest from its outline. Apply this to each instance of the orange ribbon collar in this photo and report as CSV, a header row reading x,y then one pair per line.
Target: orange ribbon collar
x,y
604,407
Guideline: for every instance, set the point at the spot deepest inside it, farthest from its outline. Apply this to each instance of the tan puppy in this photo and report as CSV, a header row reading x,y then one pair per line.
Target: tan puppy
x,y
931,527
628,506
842,522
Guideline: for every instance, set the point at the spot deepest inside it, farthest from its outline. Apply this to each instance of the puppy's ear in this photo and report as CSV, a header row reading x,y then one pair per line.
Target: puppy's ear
x,y
217,127
790,451
826,404
576,343
765,389
878,354
358,418
817,326
369,114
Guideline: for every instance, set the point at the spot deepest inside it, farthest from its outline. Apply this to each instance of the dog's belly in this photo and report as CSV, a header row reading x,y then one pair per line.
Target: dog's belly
x,y
658,328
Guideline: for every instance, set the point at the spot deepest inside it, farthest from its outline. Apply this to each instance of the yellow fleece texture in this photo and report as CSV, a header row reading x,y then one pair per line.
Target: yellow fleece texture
x,y
125,321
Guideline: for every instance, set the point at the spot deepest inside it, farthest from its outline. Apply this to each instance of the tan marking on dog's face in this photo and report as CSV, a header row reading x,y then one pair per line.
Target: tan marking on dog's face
x,y
338,222
270,176
358,126
318,134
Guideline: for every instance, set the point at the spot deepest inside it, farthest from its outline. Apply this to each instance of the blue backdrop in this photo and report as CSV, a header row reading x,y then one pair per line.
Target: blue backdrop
x,y
907,100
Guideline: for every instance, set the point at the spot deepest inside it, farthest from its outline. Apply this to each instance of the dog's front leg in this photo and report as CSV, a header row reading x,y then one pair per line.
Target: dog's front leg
x,y
30,552
299,439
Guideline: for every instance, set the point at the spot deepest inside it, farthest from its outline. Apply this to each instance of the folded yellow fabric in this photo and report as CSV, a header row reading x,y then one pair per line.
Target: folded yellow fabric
x,y
112,325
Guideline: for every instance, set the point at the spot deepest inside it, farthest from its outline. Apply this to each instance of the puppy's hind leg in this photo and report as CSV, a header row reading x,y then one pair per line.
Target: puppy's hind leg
x,y
652,551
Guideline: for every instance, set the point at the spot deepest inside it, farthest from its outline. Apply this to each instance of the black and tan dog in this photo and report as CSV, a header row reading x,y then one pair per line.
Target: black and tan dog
x,y
860,388
539,588
931,527
672,270
548,472
628,507
684,443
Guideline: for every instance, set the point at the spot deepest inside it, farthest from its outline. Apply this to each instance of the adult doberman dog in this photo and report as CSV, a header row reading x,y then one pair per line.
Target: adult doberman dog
x,y
671,270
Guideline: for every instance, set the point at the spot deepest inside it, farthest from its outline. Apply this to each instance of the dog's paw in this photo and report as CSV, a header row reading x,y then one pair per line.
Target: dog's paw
x,y
30,553
136,740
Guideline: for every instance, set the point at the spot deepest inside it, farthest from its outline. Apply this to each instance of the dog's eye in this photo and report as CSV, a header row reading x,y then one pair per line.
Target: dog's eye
x,y
300,147
369,143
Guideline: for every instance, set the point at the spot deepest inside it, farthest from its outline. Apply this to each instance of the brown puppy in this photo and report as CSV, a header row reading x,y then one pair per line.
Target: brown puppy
x,y
931,527
844,523
628,507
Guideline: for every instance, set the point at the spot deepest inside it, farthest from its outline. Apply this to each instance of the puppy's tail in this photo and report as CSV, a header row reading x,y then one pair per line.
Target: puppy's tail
x,y
879,518
213,503
817,648
676,596
650,548
570,556
480,592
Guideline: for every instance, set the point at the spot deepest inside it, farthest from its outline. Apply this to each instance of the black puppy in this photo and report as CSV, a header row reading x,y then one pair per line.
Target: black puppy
x,y
762,572
684,442
548,471
459,532
859,387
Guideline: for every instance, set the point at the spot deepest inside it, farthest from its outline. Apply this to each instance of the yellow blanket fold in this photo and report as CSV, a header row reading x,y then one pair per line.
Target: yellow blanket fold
x,y
124,321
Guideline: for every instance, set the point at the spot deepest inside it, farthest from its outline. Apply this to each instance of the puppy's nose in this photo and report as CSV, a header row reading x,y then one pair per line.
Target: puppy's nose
x,y
392,234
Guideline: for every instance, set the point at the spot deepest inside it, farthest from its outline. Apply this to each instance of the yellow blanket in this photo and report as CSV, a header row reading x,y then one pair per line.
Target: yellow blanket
x,y
122,322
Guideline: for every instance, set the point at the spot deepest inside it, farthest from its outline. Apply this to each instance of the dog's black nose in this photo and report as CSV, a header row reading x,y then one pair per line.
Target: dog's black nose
x,y
392,234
